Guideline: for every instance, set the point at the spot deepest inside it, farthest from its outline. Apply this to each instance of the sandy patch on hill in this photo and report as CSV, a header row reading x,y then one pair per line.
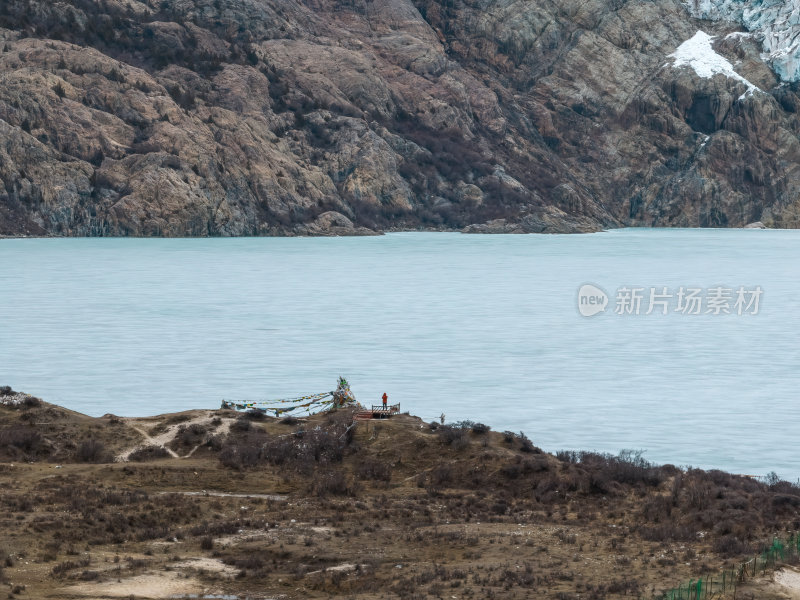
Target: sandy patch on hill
x,y
276,497
344,567
212,565
242,536
150,585
788,580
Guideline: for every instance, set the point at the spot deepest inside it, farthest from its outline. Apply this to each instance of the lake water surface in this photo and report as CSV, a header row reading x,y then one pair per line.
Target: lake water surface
x,y
475,327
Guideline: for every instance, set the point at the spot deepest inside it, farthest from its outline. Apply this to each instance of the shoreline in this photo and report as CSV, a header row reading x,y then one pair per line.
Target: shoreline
x,y
392,230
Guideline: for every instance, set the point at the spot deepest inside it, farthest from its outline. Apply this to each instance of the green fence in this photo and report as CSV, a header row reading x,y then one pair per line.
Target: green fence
x,y
726,582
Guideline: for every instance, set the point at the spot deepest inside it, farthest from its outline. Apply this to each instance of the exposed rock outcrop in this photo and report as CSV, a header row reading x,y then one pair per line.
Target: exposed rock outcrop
x,y
332,117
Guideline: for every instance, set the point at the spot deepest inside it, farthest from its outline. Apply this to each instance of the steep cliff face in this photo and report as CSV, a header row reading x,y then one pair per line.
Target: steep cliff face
x,y
254,117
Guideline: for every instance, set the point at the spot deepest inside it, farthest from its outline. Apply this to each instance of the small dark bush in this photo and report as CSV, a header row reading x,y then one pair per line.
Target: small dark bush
x,y
242,454
536,465
289,420
625,587
251,561
207,543
242,424
255,415
657,509
147,453
441,475
65,567
333,482
730,546
480,428
6,391
526,445
453,436
668,532
567,456
512,471
25,439
216,442
92,451
786,500
374,470
31,402
192,435
500,507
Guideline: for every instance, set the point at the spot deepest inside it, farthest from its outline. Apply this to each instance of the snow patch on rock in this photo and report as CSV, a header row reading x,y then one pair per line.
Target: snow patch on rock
x,y
698,54
739,35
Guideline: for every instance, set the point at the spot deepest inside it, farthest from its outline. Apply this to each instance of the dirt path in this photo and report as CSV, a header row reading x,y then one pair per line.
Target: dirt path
x,y
165,437
232,495
788,580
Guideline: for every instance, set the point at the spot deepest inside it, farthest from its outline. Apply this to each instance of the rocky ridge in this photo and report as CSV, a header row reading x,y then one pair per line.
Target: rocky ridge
x,y
329,117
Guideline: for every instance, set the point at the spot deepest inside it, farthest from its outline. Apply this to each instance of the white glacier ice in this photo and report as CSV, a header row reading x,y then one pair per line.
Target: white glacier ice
x,y
697,53
775,22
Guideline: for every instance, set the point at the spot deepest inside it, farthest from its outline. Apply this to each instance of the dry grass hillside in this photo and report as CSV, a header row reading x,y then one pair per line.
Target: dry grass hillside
x,y
216,502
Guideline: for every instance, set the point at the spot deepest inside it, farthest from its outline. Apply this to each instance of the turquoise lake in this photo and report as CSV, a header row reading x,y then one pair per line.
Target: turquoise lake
x,y
485,328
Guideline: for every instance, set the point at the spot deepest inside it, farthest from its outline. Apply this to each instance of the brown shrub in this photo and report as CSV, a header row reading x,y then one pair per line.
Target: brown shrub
x,y
18,440
31,402
241,455
241,425
731,546
333,483
374,469
191,435
92,451
146,453
255,415
65,567
453,436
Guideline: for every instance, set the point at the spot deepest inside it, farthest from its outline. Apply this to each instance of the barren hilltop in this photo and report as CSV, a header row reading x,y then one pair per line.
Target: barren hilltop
x,y
239,505
314,117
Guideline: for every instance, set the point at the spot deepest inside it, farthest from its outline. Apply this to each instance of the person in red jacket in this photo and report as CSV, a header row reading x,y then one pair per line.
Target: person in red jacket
x,y
385,399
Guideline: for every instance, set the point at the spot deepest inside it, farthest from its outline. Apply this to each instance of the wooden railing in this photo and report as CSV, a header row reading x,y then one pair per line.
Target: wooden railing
x,y
383,408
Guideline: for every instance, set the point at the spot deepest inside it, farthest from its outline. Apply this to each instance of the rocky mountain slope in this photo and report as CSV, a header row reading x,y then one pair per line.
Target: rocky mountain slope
x,y
254,117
